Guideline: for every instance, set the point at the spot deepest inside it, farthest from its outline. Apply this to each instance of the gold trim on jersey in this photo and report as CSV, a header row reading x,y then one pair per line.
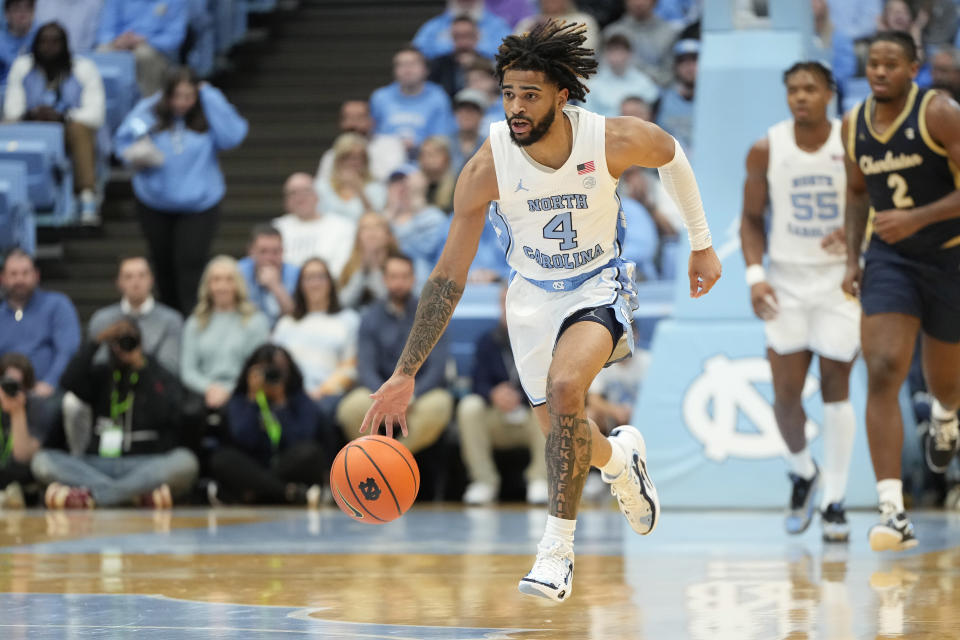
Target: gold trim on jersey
x,y
924,132
951,243
852,133
955,172
868,232
892,129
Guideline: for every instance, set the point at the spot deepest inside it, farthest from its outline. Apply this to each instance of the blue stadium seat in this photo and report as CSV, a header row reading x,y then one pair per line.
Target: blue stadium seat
x,y
119,72
477,313
49,173
17,223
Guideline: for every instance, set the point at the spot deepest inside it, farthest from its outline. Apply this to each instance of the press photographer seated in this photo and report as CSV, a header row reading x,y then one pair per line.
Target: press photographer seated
x,y
132,455
274,456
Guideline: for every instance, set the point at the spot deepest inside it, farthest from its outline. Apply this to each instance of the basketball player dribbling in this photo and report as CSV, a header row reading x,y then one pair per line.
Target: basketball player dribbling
x,y
551,169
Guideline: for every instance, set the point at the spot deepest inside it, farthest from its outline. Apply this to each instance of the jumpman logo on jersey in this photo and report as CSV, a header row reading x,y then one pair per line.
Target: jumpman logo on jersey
x,y
520,187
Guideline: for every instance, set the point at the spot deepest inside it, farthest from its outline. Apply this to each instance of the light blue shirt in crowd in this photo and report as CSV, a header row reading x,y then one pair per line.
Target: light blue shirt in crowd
x,y
163,23
11,46
433,38
260,295
414,117
47,333
607,90
79,18
675,115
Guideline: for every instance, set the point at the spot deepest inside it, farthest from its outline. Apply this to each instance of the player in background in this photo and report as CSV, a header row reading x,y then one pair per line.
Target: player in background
x,y
903,149
798,171
552,171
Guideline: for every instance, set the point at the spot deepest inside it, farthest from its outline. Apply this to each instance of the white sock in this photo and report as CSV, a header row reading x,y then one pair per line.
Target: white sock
x,y
87,195
801,463
890,493
617,462
839,428
940,412
559,529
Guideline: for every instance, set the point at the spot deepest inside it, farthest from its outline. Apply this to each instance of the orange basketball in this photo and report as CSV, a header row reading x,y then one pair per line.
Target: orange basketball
x,y
374,479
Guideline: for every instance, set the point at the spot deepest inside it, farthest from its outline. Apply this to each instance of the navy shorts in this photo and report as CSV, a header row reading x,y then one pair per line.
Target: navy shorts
x,y
894,283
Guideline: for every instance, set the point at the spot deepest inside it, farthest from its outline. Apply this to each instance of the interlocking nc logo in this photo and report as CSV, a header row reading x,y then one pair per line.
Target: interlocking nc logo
x,y
716,398
559,285
370,489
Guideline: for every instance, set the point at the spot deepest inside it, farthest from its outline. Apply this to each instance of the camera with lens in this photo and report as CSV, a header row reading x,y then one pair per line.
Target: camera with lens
x,y
127,343
272,374
10,386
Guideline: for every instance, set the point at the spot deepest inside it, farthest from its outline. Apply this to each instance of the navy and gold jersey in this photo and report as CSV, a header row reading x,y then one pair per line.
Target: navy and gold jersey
x,y
905,168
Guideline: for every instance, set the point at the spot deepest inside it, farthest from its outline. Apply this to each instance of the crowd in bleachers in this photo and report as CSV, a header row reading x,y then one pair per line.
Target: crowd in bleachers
x,y
228,380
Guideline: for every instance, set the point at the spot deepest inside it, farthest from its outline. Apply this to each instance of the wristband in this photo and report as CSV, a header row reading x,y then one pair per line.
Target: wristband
x,y
755,274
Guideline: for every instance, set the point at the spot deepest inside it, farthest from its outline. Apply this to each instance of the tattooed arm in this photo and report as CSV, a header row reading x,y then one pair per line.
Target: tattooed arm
x,y
476,187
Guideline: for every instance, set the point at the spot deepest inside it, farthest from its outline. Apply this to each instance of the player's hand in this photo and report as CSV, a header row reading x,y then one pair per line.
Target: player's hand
x,y
390,403
893,225
835,244
704,271
852,279
764,301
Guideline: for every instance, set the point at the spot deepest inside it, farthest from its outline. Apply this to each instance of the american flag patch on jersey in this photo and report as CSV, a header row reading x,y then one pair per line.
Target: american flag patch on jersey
x,y
586,167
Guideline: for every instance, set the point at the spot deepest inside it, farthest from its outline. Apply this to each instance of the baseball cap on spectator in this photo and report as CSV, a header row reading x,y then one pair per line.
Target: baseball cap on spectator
x,y
686,47
471,97
401,172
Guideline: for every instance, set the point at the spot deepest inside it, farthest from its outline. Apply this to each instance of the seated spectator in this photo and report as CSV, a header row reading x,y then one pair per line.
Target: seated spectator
x,y
614,392
832,46
16,34
160,326
469,106
940,18
675,111
856,19
40,324
221,333
133,455
323,337
270,281
386,152
278,451
642,239
51,85
416,224
945,70
351,190
306,232
436,164
171,141
497,416
512,11
650,39
563,11
679,13
384,327
25,421
153,30
434,38
411,107
450,70
482,77
489,263
361,281
79,18
898,15
617,78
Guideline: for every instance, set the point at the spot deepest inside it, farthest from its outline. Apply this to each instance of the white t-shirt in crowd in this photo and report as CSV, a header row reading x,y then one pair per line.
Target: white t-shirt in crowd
x,y
328,237
319,342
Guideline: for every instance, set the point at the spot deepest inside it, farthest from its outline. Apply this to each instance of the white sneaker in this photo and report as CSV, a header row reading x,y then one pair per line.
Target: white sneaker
x,y
480,493
552,574
633,488
537,492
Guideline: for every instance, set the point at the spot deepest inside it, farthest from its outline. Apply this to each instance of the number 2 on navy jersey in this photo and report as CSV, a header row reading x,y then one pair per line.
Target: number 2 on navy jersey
x,y
560,227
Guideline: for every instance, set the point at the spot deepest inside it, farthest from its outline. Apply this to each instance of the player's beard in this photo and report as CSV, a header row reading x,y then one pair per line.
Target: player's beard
x,y
537,129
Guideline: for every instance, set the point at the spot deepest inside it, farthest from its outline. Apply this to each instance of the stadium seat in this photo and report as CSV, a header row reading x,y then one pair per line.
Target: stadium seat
x,y
477,313
119,73
17,223
49,172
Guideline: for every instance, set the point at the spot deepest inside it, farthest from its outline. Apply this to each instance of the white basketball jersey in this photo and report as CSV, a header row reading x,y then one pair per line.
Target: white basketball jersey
x,y
807,194
557,227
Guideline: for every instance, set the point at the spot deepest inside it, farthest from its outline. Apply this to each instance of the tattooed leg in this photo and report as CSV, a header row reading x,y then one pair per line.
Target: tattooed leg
x,y
568,462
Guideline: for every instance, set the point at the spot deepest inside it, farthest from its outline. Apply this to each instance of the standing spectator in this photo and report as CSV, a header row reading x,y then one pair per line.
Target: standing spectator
x,y
617,78
324,338
384,327
496,416
450,70
160,326
469,105
221,333
361,281
51,85
270,281
650,38
945,70
153,30
172,140
436,164
434,38
675,112
512,11
24,422
16,34
306,232
351,190
411,107
42,325
79,18
133,455
386,152
273,456
416,224
562,11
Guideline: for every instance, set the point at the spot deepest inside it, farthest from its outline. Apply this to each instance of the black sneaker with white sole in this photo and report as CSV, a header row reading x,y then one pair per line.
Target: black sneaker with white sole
x,y
834,520
893,533
802,501
942,441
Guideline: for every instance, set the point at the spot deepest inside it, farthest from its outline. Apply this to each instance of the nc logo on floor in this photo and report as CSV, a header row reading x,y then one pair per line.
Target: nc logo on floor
x,y
725,392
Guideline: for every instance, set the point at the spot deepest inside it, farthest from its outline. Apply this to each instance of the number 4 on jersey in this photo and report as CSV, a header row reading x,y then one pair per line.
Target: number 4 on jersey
x,y
560,228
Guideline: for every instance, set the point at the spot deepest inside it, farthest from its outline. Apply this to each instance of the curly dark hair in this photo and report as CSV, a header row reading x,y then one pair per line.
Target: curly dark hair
x,y
554,48
814,67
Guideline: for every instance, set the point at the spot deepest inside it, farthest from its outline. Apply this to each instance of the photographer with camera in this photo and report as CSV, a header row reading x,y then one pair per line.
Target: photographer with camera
x,y
278,454
133,454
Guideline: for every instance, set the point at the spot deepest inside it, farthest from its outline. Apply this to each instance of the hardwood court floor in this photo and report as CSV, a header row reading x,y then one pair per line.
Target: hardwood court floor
x,y
449,573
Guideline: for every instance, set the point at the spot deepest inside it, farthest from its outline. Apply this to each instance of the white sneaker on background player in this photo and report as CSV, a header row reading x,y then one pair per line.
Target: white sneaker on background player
x,y
633,488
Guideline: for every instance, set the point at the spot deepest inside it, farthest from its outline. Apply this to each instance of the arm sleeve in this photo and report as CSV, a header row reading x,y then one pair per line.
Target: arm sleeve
x,y
368,374
15,99
93,107
227,126
78,376
66,339
173,29
678,180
